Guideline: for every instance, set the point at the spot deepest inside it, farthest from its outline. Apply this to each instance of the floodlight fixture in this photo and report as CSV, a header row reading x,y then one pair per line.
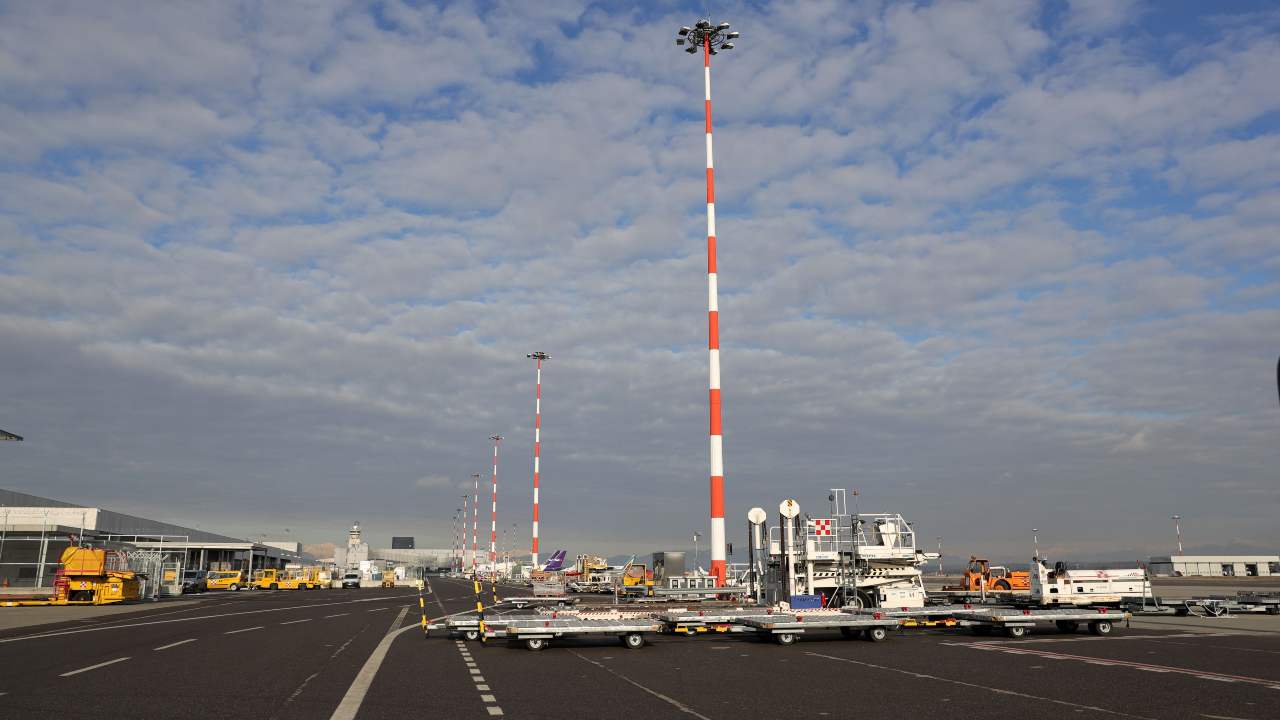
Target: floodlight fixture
x,y
712,38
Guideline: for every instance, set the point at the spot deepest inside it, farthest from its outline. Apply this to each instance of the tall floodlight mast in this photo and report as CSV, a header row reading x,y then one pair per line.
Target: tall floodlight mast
x,y
537,447
712,39
475,520
493,517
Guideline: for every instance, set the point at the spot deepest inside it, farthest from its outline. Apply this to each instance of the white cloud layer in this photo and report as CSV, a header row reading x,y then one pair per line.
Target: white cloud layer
x,y
268,266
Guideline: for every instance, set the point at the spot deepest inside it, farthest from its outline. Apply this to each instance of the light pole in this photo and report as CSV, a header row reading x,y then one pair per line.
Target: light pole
x,y
493,510
538,356
462,535
712,39
475,521
696,564
940,571
1035,540
1177,528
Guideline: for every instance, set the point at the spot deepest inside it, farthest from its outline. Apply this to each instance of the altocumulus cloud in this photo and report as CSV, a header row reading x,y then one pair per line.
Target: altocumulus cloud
x,y
261,263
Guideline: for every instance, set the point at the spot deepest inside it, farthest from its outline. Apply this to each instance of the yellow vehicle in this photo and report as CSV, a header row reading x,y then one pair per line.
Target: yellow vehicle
x,y
266,579
87,576
304,579
225,580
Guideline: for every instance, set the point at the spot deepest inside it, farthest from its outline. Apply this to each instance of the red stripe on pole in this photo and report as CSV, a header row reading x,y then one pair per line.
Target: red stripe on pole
x,y
715,412
711,253
713,330
717,496
707,111
711,185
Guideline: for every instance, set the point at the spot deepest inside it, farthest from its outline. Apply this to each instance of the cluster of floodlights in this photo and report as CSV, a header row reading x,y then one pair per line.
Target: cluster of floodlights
x,y
714,37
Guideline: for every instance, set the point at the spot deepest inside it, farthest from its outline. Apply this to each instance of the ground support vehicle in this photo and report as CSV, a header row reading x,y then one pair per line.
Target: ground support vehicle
x,y
981,576
560,601
87,576
298,580
1111,586
537,632
267,579
225,580
1221,606
785,628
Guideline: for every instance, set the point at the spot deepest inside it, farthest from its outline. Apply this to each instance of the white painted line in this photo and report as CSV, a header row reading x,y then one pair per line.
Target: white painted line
x,y
170,645
670,701
484,688
478,678
93,667
295,622
233,632
474,671
488,699
377,609
326,617
350,704
493,709
77,631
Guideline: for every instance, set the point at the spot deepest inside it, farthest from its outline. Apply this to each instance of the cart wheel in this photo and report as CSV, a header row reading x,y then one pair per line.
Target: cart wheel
x,y
1067,626
234,587
1003,585
275,586
784,638
877,634
1101,627
472,635
633,640
535,643
849,633
980,629
1015,631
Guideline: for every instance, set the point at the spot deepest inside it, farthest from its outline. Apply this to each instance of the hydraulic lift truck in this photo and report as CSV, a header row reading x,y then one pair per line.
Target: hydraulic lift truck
x,y
537,632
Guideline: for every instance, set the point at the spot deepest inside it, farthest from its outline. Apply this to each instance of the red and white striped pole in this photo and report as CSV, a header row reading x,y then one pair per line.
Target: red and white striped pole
x,y
462,535
537,448
493,521
475,521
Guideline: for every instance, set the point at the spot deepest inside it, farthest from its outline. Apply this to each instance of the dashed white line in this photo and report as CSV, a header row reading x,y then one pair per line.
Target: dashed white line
x,y
295,622
93,667
335,615
669,700
176,644
233,632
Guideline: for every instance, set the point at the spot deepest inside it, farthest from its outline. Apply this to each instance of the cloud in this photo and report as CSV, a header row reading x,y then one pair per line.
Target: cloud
x,y
1137,443
434,481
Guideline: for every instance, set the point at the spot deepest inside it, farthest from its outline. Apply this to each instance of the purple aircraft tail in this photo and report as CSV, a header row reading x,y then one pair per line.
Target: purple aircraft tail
x,y
556,562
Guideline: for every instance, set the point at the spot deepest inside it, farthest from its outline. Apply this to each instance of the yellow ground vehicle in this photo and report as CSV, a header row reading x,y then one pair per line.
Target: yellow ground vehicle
x,y
88,576
303,579
225,579
995,578
266,579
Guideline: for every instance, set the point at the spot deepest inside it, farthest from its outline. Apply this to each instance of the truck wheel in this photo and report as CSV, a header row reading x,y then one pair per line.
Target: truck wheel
x,y
1067,626
234,587
784,638
475,635
1003,585
1100,627
877,634
275,586
535,643
1015,631
633,640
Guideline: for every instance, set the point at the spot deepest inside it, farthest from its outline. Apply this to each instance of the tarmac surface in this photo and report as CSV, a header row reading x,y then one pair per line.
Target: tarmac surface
x,y
361,654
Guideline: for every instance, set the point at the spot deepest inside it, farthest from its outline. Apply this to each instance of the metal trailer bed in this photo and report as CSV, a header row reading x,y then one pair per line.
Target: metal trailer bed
x,y
537,632
1222,606
785,627
1012,621
559,601
692,622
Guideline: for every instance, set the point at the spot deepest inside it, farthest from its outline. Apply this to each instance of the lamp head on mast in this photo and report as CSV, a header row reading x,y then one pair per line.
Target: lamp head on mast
x,y
714,37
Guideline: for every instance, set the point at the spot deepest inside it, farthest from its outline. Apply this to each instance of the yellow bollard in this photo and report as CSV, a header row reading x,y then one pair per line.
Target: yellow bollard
x,y
422,606
479,606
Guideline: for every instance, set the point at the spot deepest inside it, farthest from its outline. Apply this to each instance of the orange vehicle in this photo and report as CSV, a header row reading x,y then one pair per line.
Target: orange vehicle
x,y
995,578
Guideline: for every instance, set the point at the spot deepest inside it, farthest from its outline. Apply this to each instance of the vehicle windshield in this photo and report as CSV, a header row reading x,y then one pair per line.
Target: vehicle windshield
x,y
351,576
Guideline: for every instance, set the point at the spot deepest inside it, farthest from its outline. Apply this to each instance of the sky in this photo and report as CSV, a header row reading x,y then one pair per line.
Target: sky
x,y
997,265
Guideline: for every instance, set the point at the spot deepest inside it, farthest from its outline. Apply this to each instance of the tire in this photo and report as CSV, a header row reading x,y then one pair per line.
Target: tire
x,y
234,588
784,638
633,641
475,635
275,586
983,630
1100,627
877,634
1003,585
1067,626
535,644
1015,631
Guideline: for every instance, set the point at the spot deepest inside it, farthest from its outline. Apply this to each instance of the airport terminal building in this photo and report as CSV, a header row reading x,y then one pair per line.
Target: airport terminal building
x,y
1215,565
35,530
